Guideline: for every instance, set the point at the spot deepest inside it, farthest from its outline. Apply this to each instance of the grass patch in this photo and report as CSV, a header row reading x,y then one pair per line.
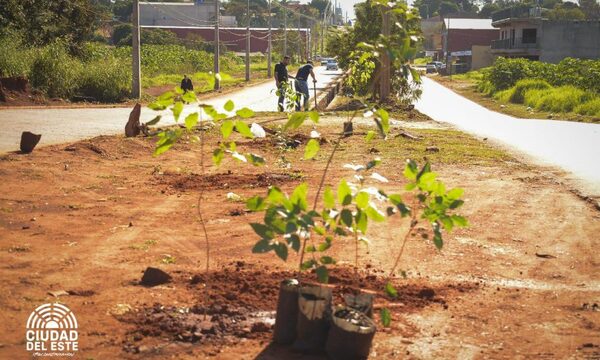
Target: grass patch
x,y
591,108
517,92
561,99
455,147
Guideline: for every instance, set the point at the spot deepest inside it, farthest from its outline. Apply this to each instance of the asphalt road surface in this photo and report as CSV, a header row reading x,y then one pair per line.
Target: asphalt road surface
x,y
65,125
571,146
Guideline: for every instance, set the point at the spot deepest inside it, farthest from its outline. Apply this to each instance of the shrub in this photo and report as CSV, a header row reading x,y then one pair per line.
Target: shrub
x,y
15,60
503,95
591,107
486,87
107,81
517,92
560,99
54,71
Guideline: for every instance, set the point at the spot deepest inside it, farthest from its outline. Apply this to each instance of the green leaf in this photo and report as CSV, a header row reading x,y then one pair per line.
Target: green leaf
x,y
456,204
374,214
295,120
255,160
168,95
371,164
361,221
308,264
437,236
243,129
226,128
294,242
410,170
189,97
299,196
327,260
312,148
256,203
178,90
322,274
262,247
328,198
460,220
154,121
177,109
347,217
344,193
386,317
314,116
282,251
310,249
362,199
217,156
229,106
370,135
325,245
262,230
385,120
455,193
425,170
245,113
191,120
390,290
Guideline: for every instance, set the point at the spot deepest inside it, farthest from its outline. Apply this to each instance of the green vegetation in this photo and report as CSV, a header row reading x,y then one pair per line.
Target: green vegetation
x,y
102,72
571,86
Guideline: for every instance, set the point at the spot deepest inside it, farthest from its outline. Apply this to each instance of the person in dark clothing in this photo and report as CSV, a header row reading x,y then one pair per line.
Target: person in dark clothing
x,y
302,84
186,84
281,78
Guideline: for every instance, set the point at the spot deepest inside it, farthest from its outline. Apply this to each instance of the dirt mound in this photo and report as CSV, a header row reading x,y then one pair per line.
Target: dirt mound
x,y
239,302
19,84
186,182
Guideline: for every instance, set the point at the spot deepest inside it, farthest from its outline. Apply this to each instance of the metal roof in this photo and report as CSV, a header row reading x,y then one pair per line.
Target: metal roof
x,y
474,24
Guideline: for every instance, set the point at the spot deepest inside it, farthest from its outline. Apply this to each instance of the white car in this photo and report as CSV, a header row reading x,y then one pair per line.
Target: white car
x,y
332,65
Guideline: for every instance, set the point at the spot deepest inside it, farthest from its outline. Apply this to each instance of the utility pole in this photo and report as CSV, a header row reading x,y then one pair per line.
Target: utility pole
x,y
448,65
269,58
217,31
384,82
284,28
136,83
248,43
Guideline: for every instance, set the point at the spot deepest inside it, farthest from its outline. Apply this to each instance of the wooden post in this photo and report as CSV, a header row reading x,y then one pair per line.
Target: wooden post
x,y
136,83
384,82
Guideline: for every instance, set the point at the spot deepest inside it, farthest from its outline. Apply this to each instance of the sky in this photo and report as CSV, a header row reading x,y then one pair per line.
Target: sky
x,y
347,5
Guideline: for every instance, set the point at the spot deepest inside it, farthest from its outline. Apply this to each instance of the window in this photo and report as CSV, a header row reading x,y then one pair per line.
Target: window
x,y
529,36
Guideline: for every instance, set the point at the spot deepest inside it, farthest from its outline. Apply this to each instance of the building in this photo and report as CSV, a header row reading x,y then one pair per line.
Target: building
x,y
432,34
459,35
199,13
523,32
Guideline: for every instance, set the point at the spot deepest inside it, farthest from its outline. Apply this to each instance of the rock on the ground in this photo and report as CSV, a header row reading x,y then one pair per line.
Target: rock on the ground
x,y
153,276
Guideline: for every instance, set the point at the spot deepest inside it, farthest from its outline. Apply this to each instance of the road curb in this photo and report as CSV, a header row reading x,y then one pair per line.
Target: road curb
x,y
329,93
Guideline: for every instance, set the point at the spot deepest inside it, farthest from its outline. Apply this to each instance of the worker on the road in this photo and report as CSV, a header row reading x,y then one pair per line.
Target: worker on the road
x,y
281,79
302,84
186,84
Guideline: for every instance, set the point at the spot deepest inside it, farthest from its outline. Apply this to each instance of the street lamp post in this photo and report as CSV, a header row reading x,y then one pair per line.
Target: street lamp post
x,y
248,43
269,59
216,61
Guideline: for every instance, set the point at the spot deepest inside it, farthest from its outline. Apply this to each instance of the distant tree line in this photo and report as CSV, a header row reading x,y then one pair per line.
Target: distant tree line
x,y
553,9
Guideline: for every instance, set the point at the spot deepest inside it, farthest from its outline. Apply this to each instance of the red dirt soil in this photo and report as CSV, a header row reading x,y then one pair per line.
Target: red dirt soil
x,y
88,218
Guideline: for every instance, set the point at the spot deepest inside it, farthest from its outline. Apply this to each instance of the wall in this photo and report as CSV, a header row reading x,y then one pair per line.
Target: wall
x,y
464,39
578,39
481,57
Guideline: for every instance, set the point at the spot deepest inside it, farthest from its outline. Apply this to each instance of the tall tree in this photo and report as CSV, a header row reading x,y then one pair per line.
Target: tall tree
x,y
42,21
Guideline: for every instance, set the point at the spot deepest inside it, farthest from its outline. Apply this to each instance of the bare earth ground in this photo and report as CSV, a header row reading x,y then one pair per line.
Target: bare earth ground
x,y
521,283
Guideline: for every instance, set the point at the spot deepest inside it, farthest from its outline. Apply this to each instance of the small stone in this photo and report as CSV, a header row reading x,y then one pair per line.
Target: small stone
x,y
153,276
260,327
432,149
130,223
57,293
25,227
33,219
66,167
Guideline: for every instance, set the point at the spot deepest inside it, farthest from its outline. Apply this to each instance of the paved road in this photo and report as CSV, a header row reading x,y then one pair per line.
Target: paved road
x,y
64,125
574,147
